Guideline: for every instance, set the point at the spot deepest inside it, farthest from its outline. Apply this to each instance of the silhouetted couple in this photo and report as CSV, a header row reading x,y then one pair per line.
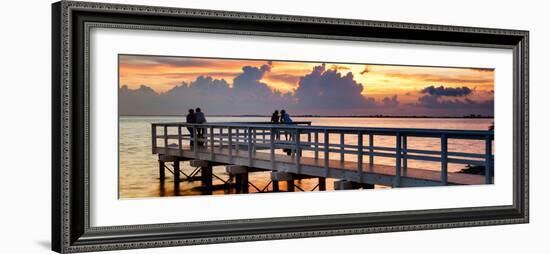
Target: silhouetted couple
x,y
196,116
283,118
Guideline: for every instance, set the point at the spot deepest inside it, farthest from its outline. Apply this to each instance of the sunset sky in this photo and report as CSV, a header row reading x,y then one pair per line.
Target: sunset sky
x,y
350,88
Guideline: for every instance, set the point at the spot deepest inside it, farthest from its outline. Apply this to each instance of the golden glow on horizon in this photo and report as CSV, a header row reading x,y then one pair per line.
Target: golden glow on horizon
x,y
379,81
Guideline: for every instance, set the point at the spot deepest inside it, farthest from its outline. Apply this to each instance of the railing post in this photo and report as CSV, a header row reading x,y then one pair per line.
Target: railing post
x,y
211,142
298,150
360,155
444,151
180,150
397,180
371,151
230,143
316,146
272,148
153,138
488,160
250,147
342,147
165,138
254,140
220,133
404,155
326,147
195,142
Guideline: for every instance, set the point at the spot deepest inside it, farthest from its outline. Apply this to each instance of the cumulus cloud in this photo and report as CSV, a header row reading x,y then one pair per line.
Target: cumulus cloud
x,y
328,89
246,95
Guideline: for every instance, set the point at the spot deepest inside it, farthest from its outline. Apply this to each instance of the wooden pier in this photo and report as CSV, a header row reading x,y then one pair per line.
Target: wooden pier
x,y
299,151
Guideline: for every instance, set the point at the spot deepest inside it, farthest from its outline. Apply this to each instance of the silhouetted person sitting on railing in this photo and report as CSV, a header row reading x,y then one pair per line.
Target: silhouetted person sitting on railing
x,y
191,118
275,120
275,117
199,118
285,119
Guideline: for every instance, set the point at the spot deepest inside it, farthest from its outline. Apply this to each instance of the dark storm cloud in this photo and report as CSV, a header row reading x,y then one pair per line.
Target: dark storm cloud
x,y
431,101
446,91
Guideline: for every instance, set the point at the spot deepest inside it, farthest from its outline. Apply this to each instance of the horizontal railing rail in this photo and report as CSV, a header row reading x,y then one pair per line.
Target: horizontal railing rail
x,y
302,136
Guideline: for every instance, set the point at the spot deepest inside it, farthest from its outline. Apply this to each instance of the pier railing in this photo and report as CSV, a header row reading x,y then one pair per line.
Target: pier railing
x,y
298,137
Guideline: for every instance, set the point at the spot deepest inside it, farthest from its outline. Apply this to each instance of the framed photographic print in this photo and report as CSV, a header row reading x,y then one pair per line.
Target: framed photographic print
x,y
181,126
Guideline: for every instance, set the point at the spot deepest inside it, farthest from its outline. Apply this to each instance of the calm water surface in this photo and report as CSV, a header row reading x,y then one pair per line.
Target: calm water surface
x,y
138,168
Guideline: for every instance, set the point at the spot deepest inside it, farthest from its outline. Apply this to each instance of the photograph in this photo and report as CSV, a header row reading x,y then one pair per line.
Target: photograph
x,y
192,125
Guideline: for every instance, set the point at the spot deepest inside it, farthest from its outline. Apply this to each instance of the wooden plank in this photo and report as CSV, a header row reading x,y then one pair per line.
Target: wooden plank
x,y
298,151
316,145
444,173
360,155
326,157
212,143
397,180
153,137
488,161
404,157
342,143
371,149
230,143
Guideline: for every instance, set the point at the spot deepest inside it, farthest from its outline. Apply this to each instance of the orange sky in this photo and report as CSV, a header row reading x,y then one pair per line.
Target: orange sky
x,y
379,81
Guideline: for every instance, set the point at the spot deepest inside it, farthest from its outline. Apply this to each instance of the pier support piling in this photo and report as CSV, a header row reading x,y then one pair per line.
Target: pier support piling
x,y
206,181
290,185
161,172
275,186
343,185
241,177
349,185
277,176
322,184
176,177
206,174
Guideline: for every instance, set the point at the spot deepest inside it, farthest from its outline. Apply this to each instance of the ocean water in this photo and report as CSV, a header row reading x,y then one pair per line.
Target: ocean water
x,y
138,167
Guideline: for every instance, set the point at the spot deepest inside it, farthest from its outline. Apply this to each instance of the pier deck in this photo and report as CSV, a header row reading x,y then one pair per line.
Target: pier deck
x,y
259,147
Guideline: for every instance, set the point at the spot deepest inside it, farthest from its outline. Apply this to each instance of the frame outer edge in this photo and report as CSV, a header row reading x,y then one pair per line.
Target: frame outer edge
x,y
65,121
56,171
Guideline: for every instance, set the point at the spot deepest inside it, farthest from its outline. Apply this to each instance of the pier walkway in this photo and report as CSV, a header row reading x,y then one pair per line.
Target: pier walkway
x,y
301,151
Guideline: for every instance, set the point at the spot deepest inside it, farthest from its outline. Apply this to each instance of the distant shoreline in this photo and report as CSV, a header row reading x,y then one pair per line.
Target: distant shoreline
x,y
327,116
